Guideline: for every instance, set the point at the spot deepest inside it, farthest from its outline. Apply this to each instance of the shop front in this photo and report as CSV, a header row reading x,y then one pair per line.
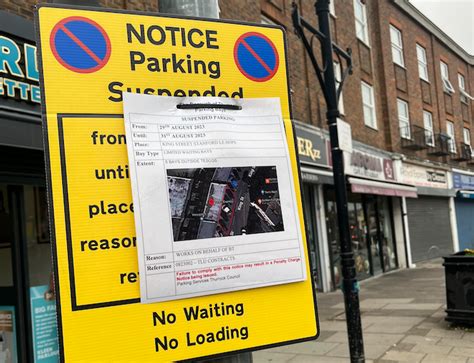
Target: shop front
x,y
374,214
312,147
464,205
430,220
27,307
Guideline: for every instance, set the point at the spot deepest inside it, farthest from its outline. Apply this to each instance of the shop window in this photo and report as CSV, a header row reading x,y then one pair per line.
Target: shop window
x,y
37,235
372,234
309,205
6,239
387,240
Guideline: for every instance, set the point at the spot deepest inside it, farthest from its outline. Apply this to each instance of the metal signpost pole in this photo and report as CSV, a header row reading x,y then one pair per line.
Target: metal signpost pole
x,y
206,9
331,93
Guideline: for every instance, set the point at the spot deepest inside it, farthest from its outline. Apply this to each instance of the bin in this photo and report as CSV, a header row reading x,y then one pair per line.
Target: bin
x,y
459,272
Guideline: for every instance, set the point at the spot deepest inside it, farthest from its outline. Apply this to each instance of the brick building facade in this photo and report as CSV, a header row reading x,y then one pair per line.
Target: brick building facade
x,y
372,63
410,174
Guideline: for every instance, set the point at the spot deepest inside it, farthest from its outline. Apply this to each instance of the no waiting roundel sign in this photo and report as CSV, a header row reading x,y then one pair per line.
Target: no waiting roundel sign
x,y
256,56
80,44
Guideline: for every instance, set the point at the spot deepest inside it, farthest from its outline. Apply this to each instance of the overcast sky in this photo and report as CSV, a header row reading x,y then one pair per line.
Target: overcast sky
x,y
454,17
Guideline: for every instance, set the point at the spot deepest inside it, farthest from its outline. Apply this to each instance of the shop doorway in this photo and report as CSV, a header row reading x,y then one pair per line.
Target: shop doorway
x,y
372,235
309,206
25,273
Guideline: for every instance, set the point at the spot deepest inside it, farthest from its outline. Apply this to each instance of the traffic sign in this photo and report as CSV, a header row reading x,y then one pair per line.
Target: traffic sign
x,y
256,56
84,71
80,44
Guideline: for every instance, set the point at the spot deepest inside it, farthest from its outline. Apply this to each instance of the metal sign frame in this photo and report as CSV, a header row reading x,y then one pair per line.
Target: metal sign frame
x,y
65,192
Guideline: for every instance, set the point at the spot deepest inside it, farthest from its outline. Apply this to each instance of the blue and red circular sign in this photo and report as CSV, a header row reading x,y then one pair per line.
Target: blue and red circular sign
x,y
256,56
80,44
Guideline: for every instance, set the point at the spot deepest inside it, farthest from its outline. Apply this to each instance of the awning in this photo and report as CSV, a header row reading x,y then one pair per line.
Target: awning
x,y
468,194
367,186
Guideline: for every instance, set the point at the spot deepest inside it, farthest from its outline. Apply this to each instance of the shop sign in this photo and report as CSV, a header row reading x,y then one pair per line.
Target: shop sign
x,y
344,133
364,164
424,177
98,54
312,147
463,181
8,352
18,70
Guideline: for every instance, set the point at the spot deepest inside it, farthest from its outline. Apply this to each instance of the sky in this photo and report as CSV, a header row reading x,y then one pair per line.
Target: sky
x,y
454,17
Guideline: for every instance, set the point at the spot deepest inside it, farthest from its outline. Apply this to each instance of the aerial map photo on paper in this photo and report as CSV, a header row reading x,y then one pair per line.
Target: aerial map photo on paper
x,y
220,202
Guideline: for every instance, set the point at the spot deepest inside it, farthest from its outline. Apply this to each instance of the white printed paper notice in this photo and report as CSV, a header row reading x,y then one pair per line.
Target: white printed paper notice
x,y
214,197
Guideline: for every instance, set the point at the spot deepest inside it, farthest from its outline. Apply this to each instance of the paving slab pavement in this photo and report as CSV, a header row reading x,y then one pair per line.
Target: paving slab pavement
x,y
403,321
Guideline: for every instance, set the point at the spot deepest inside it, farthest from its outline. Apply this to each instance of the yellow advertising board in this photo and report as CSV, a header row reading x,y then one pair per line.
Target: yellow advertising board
x,y
88,57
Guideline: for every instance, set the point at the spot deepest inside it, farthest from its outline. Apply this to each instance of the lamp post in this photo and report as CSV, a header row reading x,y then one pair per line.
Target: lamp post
x,y
326,78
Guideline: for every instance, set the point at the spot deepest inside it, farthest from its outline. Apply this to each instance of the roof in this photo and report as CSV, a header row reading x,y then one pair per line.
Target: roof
x,y
419,17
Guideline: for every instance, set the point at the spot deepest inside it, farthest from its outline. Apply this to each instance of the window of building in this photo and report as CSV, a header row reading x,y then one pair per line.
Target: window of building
x,y
397,46
360,13
266,20
332,8
447,86
465,97
467,136
338,76
462,82
452,138
422,62
403,119
428,125
368,103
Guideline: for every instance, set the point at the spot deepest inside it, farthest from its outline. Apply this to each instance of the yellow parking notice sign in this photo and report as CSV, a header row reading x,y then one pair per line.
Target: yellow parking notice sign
x,y
87,58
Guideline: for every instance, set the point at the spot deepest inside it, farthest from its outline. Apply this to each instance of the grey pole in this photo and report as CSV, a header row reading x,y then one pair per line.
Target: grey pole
x,y
205,9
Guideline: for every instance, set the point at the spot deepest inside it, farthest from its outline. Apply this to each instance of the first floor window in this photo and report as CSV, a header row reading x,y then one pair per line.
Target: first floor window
x,y
403,119
428,126
368,104
467,136
452,139
467,139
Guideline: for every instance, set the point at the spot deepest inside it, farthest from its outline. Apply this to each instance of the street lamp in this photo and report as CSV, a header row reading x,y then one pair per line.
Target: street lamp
x,y
332,92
